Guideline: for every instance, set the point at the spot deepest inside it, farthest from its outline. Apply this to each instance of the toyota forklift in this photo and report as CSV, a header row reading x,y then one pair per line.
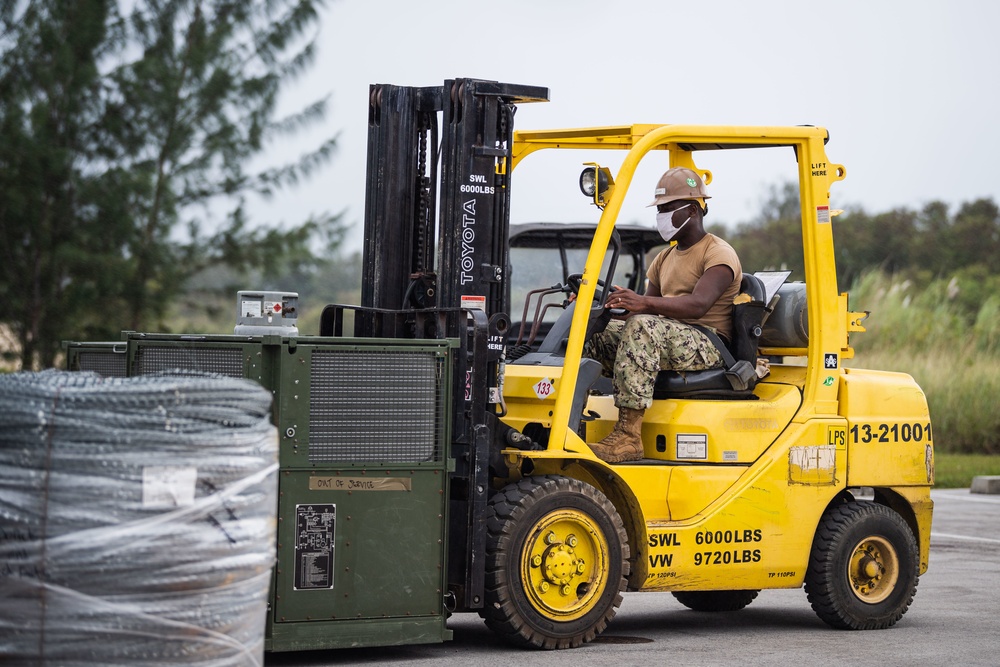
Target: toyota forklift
x,y
434,444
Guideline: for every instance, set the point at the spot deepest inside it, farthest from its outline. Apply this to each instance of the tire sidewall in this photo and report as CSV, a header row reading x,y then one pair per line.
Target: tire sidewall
x,y
874,520
562,494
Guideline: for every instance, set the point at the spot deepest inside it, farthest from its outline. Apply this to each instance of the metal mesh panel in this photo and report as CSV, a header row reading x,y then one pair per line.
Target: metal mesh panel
x,y
222,360
102,362
375,406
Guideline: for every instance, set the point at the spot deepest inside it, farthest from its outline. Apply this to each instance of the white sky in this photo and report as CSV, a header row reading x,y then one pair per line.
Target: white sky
x,y
907,88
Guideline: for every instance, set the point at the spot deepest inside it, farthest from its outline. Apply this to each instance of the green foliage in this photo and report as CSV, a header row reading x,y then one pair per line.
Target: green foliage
x,y
921,244
209,303
952,353
335,281
955,471
986,329
773,240
957,312
125,133
49,87
863,242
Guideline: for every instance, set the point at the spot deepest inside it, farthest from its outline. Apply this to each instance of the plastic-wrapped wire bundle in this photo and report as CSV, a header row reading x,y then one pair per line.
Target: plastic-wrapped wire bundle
x,y
137,519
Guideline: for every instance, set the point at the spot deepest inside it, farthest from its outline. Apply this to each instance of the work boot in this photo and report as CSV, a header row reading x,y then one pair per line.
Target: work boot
x,y
624,443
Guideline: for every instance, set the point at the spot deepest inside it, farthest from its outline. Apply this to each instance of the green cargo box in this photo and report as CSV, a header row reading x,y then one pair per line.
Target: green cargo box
x,y
364,427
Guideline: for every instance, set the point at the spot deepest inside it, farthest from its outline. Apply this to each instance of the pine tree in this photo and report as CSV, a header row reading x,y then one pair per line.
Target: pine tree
x,y
49,98
125,140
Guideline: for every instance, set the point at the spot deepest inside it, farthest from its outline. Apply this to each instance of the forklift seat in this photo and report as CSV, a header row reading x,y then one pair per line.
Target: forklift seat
x,y
737,379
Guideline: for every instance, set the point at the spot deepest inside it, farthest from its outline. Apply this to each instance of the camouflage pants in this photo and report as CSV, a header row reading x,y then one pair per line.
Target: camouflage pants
x,y
633,351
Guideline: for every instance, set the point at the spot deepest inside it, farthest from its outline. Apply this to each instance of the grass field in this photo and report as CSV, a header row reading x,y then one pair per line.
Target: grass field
x,y
955,471
962,391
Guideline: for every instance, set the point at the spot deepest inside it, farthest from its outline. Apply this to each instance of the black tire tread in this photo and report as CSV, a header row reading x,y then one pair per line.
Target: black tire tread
x,y
715,601
500,612
821,582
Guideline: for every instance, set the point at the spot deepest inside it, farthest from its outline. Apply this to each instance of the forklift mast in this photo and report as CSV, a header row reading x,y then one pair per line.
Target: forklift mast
x,y
436,266
472,198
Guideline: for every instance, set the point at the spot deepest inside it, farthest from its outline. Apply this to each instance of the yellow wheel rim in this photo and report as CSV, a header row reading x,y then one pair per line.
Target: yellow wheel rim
x,y
873,569
564,565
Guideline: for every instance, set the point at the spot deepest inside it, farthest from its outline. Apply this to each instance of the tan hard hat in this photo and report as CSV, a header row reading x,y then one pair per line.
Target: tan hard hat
x,y
679,183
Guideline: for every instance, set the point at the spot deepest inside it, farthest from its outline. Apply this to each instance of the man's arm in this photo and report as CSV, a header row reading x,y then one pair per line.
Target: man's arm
x,y
692,306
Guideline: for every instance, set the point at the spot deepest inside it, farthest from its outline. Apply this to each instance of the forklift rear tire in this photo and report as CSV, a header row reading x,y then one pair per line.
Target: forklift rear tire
x,y
556,562
864,567
715,600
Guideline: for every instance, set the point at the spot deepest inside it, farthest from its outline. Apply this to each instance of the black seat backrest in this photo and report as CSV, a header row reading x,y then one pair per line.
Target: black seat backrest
x,y
748,319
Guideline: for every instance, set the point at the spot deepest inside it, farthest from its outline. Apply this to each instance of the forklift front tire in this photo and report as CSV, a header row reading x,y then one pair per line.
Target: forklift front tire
x,y
556,562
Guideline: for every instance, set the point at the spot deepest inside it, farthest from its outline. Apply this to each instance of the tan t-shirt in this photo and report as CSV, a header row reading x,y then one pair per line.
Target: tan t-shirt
x,y
675,273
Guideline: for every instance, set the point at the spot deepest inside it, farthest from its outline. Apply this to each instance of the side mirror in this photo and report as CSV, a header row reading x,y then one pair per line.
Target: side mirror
x,y
596,182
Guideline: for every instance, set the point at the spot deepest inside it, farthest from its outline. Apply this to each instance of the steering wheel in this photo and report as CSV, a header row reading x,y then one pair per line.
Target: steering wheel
x,y
574,280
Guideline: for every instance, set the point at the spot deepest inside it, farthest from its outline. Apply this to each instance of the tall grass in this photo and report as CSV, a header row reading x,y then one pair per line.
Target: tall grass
x,y
951,349
956,471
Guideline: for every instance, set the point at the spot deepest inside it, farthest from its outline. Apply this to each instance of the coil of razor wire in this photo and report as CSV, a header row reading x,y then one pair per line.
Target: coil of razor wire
x,y
137,519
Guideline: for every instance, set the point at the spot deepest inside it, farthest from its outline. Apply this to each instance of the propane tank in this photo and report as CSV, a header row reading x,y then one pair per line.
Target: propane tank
x,y
788,323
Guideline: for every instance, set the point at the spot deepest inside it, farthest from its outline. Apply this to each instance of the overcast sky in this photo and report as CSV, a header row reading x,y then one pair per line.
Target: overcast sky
x,y
908,90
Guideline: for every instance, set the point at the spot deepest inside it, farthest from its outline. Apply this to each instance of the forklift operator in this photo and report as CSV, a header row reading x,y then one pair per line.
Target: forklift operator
x,y
693,281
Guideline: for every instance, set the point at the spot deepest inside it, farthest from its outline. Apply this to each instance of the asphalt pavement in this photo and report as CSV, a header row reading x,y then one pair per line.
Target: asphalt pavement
x,y
954,620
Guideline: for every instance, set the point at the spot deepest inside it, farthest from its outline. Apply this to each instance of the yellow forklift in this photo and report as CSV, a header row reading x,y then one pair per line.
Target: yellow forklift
x,y
816,474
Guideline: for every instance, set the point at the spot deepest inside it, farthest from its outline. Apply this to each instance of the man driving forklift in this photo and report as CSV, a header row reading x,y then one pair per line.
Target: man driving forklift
x,y
693,281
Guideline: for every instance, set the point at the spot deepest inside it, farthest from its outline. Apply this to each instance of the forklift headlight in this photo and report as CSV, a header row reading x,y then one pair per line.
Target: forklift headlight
x,y
596,183
588,181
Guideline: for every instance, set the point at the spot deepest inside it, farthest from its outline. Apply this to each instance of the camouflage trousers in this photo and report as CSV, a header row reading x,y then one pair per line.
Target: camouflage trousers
x,y
633,351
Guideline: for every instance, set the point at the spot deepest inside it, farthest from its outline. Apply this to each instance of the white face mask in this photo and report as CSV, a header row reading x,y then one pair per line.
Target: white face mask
x,y
665,224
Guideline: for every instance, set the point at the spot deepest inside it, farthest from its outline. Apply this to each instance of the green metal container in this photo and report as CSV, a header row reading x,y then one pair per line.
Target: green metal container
x,y
364,427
